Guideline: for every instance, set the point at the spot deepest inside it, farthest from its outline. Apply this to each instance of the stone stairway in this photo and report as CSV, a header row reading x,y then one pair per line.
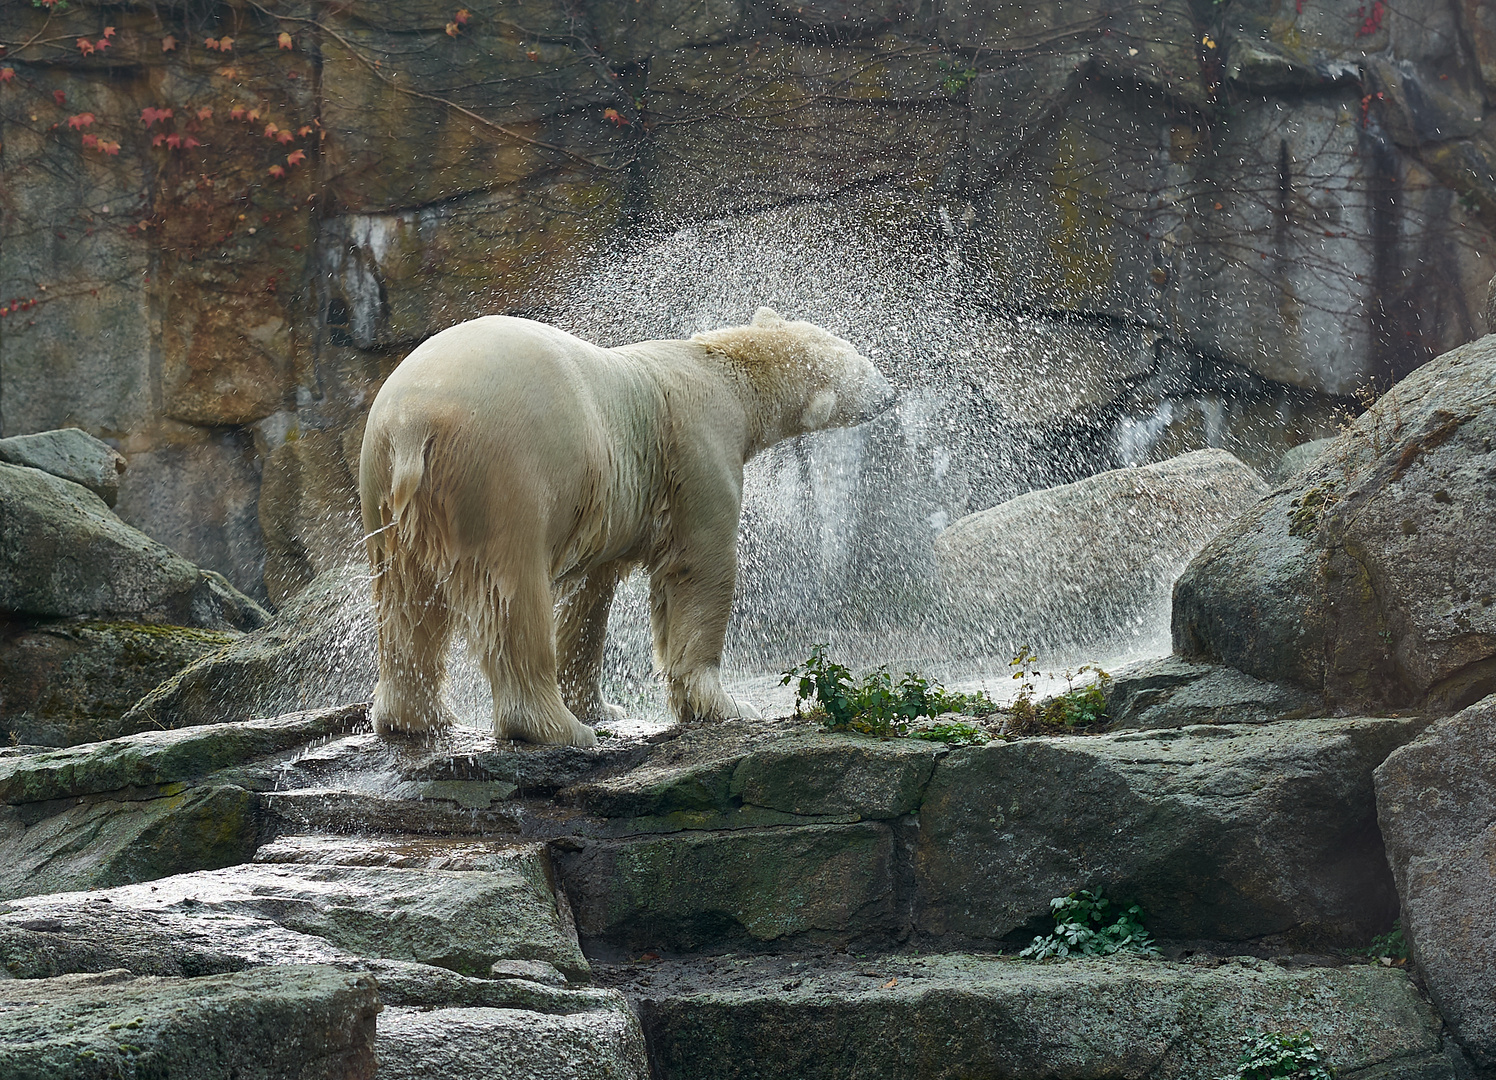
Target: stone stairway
x,y
825,905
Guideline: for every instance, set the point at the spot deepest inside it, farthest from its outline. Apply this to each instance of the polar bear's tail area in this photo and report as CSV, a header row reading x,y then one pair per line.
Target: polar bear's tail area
x,y
408,459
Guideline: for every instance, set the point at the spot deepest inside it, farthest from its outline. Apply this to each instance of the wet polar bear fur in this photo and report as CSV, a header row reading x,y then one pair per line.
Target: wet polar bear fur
x,y
512,475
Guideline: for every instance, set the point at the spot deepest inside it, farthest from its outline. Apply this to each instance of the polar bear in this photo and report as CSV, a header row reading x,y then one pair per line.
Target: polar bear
x,y
512,474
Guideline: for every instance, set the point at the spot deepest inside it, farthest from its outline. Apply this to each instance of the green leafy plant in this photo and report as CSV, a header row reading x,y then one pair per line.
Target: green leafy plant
x,y
1267,1055
956,78
1088,924
877,705
1077,707
1390,948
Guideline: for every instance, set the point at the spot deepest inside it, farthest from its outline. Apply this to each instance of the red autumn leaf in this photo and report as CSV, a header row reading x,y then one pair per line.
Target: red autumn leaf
x,y
462,16
174,140
101,44
236,113
59,96
190,142
276,171
252,115
90,142
7,74
304,130
617,118
270,130
159,139
205,113
82,120
212,43
283,39
453,29
108,31
225,43
296,157
149,115
532,54
85,46
109,147
284,137
168,43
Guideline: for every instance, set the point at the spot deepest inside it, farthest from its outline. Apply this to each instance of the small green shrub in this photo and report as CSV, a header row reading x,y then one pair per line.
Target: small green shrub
x,y
1269,1055
1088,924
1390,947
1078,707
876,705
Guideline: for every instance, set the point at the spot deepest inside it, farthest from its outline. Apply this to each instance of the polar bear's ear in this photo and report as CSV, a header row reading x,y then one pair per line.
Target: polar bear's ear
x,y
766,316
818,412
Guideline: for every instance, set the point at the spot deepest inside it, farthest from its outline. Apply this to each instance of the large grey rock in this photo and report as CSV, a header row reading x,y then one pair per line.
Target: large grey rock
x,y
72,454
150,759
63,683
1171,692
1368,577
945,1017
459,919
138,836
1226,833
308,1022
1436,803
1299,458
63,553
1088,563
603,1044
317,651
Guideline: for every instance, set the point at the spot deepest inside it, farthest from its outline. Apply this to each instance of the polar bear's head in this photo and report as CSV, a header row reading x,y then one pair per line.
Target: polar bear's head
x,y
803,378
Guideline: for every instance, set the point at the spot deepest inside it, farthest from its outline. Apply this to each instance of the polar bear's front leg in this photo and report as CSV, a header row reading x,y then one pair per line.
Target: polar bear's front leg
x,y
689,606
581,628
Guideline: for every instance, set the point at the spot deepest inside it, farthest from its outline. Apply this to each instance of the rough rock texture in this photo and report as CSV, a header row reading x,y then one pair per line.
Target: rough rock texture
x,y
1224,833
1436,802
308,512
1085,564
63,553
463,919
313,1023
1229,832
1171,692
137,836
954,1016
69,682
143,807
1075,160
1298,459
72,454
505,1044
316,652
1369,577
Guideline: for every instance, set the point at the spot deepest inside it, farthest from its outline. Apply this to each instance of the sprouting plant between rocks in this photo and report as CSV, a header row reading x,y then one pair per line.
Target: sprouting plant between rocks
x,y
877,705
1088,924
1267,1055
1078,707
1390,948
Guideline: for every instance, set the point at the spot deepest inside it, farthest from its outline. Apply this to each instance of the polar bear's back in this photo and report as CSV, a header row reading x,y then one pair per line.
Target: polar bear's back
x,y
505,420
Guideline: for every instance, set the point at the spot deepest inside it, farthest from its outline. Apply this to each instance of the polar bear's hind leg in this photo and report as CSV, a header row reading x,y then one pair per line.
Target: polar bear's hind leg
x,y
516,646
414,629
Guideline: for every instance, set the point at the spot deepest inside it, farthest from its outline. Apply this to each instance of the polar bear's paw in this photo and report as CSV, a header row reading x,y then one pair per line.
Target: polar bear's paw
x,y
555,728
396,714
700,696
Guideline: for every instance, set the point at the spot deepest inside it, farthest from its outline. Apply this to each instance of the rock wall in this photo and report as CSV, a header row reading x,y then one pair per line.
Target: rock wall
x,y
223,224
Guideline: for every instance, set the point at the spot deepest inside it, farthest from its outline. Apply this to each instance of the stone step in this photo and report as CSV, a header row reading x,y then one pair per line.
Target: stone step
x,y
315,1023
945,1017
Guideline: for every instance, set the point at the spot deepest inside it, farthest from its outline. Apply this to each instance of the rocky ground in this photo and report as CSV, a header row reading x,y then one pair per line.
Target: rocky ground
x,y
734,900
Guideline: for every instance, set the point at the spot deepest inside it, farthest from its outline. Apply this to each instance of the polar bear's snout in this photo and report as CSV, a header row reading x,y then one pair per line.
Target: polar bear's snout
x,y
878,396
